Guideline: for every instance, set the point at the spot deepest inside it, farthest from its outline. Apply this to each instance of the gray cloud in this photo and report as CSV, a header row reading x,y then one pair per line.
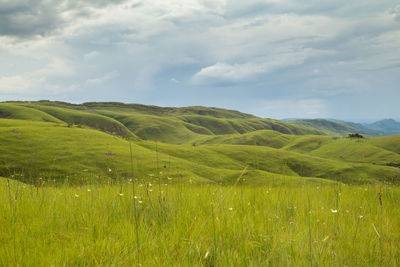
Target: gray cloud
x,y
26,18
183,52
22,18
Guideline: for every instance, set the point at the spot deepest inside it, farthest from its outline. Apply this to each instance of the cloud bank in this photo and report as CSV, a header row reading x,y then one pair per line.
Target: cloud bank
x,y
225,53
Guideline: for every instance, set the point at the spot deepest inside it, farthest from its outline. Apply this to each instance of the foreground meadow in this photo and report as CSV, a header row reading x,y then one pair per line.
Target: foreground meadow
x,y
325,224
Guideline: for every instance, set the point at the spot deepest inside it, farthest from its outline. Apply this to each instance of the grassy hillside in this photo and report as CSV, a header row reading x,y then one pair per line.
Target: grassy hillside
x,y
157,128
33,150
377,151
259,138
163,124
95,121
11,111
230,126
53,151
391,143
48,150
87,143
356,151
168,111
307,143
335,128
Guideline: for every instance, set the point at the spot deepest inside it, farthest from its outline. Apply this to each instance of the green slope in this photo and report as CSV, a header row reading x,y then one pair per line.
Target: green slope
x,y
12,111
391,143
51,140
33,150
199,120
164,124
78,117
147,109
378,150
280,162
356,151
38,149
335,128
307,143
169,111
157,128
230,126
259,138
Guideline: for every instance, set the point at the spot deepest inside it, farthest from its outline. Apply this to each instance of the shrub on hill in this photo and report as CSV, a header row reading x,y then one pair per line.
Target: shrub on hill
x,y
355,135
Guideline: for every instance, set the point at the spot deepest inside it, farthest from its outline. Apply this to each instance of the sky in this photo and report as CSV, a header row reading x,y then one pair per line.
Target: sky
x,y
274,58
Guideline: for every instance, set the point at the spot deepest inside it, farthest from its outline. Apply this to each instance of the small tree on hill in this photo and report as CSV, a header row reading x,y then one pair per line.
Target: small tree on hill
x,y
355,135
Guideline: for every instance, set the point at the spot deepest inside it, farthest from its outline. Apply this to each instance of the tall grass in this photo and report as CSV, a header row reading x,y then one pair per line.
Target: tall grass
x,y
134,207
203,225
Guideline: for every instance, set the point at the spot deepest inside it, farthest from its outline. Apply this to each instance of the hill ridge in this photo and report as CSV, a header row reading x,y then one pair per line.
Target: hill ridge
x,y
165,124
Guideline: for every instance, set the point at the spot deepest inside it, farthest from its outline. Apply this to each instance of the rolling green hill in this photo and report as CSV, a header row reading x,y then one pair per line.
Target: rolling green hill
x,y
11,111
335,128
268,138
33,150
162,124
391,143
95,121
91,143
30,151
157,128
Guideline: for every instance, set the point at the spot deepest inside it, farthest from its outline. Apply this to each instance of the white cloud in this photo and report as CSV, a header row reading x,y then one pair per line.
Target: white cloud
x,y
291,108
173,80
224,72
91,55
16,84
394,12
100,80
38,80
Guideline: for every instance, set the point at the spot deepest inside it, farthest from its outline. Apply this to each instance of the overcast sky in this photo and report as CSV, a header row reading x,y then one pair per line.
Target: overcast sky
x,y
274,58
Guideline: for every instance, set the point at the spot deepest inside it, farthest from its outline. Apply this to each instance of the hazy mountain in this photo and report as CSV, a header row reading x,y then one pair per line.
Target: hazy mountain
x,y
387,126
336,128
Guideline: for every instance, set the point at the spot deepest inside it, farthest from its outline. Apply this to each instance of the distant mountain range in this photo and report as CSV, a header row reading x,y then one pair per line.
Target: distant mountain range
x,y
387,126
342,128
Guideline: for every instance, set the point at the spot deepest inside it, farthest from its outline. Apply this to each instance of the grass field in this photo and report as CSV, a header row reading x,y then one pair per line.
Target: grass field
x,y
33,149
310,224
213,187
